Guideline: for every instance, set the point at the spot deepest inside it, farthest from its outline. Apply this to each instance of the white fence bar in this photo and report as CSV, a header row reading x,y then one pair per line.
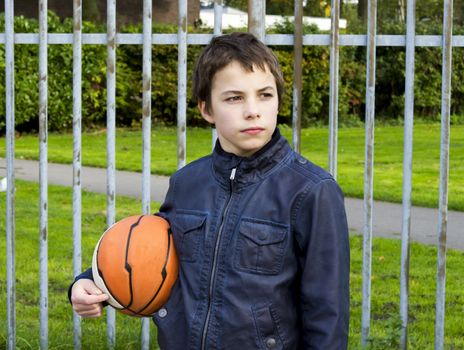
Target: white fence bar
x,y
256,18
10,177
297,76
111,142
77,161
270,39
444,173
146,132
369,169
218,7
182,85
43,177
407,170
333,87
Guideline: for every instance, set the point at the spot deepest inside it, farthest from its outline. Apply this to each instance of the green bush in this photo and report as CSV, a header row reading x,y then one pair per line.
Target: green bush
x,y
390,80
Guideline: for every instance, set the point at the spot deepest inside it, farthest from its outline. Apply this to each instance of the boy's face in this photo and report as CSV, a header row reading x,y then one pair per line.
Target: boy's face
x,y
244,107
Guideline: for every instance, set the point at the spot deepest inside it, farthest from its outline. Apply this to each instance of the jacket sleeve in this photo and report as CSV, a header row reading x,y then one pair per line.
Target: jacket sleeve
x,y
86,274
322,236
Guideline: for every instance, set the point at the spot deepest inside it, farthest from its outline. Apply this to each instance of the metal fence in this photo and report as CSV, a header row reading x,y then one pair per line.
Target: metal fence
x,y
256,25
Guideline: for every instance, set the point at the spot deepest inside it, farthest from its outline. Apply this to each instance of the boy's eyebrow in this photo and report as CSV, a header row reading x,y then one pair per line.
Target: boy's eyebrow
x,y
270,87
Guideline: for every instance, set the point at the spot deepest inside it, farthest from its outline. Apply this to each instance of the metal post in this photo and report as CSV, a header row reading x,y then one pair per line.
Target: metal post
x,y
369,168
407,171
182,85
77,146
218,6
444,172
333,90
111,136
43,178
257,18
146,131
10,177
297,75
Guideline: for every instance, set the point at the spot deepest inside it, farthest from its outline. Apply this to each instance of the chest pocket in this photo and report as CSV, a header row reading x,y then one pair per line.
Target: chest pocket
x,y
260,246
188,229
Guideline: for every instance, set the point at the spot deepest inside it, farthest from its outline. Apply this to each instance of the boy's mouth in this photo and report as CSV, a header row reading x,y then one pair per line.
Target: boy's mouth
x,y
253,130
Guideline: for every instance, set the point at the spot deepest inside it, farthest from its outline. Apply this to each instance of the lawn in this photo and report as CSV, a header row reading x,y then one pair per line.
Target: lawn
x,y
385,280
388,162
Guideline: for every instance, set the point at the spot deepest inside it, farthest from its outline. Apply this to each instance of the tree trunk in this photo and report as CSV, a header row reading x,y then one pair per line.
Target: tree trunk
x,y
362,10
90,10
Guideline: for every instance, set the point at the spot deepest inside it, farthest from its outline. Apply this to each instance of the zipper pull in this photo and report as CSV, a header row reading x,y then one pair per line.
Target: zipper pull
x,y
232,174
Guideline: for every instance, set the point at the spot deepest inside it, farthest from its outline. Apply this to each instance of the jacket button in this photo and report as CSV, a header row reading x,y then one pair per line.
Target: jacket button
x,y
162,312
271,343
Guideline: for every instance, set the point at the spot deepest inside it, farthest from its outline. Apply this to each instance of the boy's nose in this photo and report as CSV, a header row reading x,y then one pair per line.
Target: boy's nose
x,y
251,110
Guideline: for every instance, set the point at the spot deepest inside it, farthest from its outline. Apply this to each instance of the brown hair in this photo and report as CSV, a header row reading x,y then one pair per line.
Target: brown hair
x,y
244,48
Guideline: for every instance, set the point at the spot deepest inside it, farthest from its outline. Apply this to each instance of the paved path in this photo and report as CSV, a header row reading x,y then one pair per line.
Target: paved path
x,y
387,217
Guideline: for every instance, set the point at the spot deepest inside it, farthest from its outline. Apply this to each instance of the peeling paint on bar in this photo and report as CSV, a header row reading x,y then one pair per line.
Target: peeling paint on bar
x,y
297,76
111,143
146,135
256,18
369,169
407,171
444,173
182,85
43,177
77,146
10,192
333,89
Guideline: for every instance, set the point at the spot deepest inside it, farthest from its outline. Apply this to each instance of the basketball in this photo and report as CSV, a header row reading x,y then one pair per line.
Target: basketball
x,y
135,263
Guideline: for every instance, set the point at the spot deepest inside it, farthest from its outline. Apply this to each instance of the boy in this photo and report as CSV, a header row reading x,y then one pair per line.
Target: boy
x,y
260,231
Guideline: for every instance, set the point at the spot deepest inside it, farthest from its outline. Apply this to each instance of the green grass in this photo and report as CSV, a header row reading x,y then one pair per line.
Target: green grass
x,y
385,280
388,162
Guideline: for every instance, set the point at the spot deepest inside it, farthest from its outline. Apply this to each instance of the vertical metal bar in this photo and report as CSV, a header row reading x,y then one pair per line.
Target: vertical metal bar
x,y
111,136
77,145
444,173
146,131
369,168
182,85
10,192
333,90
297,75
407,170
257,18
43,178
218,6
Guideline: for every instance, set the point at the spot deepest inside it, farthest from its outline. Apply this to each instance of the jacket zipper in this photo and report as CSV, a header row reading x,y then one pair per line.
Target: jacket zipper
x,y
216,252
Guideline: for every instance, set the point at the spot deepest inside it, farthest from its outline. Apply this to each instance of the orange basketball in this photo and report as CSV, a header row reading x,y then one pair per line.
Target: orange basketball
x,y
135,263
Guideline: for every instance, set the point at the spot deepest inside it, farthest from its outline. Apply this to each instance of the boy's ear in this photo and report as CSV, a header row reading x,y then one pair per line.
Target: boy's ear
x,y
204,112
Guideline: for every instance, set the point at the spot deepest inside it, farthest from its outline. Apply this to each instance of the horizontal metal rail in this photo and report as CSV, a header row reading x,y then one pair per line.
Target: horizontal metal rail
x,y
270,39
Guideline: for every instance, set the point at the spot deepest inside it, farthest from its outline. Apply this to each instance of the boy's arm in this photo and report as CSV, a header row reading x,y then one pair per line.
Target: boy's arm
x,y
322,235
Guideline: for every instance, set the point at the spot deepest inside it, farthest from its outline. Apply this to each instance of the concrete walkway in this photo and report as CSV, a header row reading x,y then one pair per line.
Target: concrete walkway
x,y
387,217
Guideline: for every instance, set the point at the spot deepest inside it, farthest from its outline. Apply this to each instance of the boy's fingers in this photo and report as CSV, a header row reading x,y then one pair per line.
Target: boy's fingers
x,y
94,298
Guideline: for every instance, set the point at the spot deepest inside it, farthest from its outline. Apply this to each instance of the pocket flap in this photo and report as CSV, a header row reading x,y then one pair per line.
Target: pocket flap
x,y
263,233
187,222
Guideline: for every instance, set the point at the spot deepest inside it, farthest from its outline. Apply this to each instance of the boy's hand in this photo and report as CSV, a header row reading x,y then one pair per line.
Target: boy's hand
x,y
87,299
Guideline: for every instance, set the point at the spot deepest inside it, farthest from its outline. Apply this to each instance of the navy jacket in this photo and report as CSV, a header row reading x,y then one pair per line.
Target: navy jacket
x,y
264,254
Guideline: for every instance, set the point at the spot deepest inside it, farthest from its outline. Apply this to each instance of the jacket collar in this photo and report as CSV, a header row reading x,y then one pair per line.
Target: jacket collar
x,y
249,169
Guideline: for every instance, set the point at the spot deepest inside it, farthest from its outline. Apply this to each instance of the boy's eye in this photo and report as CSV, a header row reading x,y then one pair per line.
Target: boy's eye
x,y
267,95
233,98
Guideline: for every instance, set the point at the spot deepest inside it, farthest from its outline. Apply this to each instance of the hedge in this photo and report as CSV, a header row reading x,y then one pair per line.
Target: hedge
x,y
389,83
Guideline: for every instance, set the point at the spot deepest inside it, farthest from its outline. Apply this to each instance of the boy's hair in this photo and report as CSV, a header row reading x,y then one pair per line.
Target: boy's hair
x,y
244,48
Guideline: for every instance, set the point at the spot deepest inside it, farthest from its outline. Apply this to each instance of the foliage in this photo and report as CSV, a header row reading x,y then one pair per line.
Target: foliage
x,y
389,148
385,280
390,79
